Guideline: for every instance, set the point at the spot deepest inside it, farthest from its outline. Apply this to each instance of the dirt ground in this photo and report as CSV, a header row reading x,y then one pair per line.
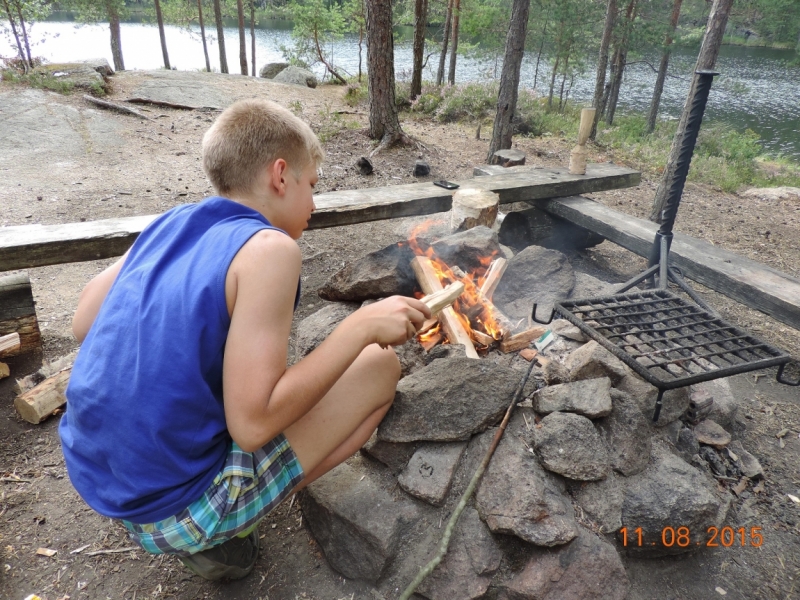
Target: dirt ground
x,y
154,165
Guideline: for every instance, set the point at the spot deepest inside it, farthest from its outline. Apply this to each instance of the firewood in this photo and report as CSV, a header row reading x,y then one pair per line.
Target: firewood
x,y
493,275
429,343
46,370
9,342
4,370
577,158
473,207
429,282
39,403
18,313
521,340
528,353
428,325
482,338
439,300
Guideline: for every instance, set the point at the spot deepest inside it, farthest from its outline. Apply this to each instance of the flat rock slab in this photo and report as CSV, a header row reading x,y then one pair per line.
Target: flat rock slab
x,y
430,471
516,496
670,493
748,463
534,275
313,330
357,523
376,275
471,560
587,568
394,456
449,400
627,435
569,444
710,433
590,398
592,360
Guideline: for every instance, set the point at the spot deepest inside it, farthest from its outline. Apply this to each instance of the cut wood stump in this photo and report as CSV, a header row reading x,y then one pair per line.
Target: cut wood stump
x,y
18,314
472,207
39,403
508,158
9,343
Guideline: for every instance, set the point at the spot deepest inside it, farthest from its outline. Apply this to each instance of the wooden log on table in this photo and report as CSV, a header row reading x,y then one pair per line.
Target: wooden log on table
x,y
39,403
577,158
26,246
18,314
749,282
430,283
472,207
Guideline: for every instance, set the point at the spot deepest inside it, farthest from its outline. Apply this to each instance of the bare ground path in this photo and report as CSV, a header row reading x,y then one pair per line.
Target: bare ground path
x,y
62,160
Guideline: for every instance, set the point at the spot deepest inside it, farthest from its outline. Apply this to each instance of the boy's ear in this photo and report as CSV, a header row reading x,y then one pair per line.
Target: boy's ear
x,y
278,171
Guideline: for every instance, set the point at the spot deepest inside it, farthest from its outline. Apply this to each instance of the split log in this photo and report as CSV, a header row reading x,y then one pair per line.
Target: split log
x,y
429,343
18,313
48,369
521,340
39,403
473,207
493,275
5,371
430,283
482,338
439,300
9,342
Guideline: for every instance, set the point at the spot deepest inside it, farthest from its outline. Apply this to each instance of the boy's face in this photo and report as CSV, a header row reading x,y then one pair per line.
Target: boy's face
x,y
299,200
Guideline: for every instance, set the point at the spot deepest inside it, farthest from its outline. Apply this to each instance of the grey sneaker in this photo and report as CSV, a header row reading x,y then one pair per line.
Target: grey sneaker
x,y
233,559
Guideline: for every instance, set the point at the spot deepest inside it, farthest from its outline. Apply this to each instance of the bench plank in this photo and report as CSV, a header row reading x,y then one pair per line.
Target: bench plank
x,y
27,246
749,282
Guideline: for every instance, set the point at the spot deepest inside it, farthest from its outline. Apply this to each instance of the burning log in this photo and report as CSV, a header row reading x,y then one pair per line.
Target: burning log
x,y
441,299
493,276
429,341
484,339
429,282
521,340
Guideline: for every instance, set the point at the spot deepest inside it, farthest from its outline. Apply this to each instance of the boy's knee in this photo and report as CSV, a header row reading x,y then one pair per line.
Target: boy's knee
x,y
384,362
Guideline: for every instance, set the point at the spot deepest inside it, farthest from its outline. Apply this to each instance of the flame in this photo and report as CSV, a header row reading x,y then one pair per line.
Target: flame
x,y
431,333
471,307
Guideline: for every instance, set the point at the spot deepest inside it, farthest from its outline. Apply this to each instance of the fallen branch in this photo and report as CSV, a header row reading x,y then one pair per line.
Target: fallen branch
x,y
114,106
113,551
462,503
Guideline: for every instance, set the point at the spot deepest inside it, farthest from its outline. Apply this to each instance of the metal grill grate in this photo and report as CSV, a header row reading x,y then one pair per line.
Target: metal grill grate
x,y
668,341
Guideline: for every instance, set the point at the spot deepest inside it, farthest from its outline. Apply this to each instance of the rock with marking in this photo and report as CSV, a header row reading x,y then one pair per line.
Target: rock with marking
x,y
468,249
590,398
568,444
430,471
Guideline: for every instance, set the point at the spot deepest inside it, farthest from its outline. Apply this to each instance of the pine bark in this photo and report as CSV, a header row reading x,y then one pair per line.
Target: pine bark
x,y
451,73
203,35
621,60
445,40
161,33
602,64
384,123
420,21
13,24
706,59
223,60
509,78
116,38
652,115
253,37
21,22
242,38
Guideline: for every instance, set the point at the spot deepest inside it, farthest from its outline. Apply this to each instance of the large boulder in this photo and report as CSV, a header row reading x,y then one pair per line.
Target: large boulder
x,y
516,496
81,75
568,444
590,398
357,523
601,501
448,401
627,435
468,249
296,76
270,70
587,568
386,272
534,275
313,330
670,493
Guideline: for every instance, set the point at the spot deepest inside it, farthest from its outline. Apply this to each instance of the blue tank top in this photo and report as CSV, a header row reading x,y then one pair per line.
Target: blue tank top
x,y
144,433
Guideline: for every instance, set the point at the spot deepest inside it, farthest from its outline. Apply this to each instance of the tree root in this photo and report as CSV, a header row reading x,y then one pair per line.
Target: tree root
x,y
396,138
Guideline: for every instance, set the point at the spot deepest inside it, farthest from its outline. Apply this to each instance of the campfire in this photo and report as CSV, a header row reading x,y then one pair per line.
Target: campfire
x,y
473,320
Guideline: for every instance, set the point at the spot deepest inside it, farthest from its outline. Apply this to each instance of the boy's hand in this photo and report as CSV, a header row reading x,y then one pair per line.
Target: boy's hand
x,y
392,321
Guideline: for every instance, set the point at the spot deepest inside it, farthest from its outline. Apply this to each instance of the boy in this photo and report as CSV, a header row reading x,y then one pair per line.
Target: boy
x,y
183,420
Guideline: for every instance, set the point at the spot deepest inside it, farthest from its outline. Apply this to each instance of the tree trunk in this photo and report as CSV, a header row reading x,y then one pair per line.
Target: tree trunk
x,y
161,34
360,42
715,29
451,73
21,22
203,34
553,82
563,83
223,61
662,67
445,41
253,37
509,78
621,59
14,31
384,123
539,55
116,41
602,63
242,38
420,21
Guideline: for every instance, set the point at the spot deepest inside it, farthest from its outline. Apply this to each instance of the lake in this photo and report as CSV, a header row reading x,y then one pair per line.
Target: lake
x,y
757,88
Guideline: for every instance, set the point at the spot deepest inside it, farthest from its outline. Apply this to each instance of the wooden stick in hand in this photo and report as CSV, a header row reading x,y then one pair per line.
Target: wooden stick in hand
x,y
440,300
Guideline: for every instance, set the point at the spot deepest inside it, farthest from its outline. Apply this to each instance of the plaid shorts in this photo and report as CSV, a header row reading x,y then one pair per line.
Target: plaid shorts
x,y
249,486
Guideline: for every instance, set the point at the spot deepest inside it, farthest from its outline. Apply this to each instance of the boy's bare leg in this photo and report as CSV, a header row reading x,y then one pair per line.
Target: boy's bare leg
x,y
348,414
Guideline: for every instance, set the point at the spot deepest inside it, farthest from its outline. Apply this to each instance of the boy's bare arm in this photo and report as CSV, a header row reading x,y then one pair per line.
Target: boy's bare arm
x,y
92,297
262,396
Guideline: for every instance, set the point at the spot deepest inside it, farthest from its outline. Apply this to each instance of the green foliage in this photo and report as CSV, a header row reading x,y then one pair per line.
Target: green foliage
x,y
43,81
449,104
316,24
356,93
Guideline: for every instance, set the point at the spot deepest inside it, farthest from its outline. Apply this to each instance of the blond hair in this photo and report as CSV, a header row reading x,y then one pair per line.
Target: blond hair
x,y
250,135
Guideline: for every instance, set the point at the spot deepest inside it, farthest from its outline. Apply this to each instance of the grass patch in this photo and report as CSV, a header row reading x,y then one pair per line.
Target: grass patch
x,y
39,80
